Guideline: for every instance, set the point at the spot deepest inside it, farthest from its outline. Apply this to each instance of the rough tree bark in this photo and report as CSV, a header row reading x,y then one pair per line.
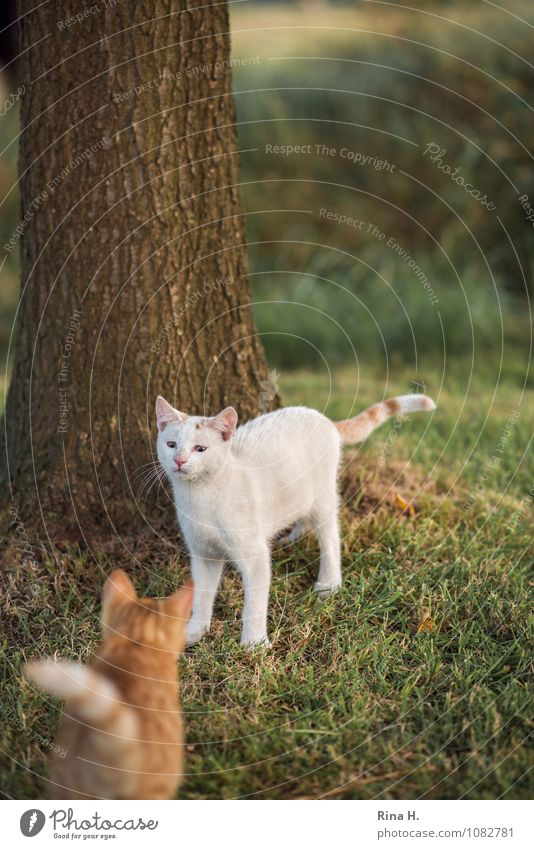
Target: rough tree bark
x,y
132,244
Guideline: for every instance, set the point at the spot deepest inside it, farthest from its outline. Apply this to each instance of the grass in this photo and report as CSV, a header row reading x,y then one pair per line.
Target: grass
x,y
351,702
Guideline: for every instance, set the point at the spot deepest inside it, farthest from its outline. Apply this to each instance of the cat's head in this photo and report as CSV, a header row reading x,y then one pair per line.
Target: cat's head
x,y
152,622
192,447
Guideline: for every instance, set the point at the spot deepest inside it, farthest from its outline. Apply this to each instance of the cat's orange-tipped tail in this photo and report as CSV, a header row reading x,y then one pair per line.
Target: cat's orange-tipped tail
x,y
91,697
359,428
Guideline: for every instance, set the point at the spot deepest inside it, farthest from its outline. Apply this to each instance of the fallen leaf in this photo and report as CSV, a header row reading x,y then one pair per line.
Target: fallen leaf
x,y
425,624
406,506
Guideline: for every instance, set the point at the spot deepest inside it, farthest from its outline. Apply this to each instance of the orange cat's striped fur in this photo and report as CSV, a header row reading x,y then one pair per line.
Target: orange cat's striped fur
x,y
121,736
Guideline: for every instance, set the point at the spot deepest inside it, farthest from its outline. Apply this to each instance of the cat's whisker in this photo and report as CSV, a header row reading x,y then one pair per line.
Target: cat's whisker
x,y
139,472
157,480
146,487
152,478
147,474
160,485
140,490
151,462
148,467
152,474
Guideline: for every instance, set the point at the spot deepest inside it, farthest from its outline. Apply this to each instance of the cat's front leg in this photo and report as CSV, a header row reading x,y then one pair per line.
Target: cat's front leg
x,y
206,575
256,573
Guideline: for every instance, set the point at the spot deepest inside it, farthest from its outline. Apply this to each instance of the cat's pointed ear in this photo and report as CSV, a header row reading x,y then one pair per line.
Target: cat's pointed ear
x,y
180,604
225,422
165,413
118,590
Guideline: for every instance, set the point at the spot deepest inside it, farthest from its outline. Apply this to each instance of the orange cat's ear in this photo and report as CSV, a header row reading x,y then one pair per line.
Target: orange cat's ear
x,y
118,590
180,603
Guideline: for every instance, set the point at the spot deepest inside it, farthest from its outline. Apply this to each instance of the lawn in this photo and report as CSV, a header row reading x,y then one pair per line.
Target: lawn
x,y
412,681
415,680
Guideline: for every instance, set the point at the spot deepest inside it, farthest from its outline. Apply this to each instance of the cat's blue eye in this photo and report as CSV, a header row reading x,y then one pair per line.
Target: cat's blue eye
x,y
200,448
171,444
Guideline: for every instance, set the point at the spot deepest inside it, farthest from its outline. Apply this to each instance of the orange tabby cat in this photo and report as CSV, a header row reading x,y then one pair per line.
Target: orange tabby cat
x,y
121,736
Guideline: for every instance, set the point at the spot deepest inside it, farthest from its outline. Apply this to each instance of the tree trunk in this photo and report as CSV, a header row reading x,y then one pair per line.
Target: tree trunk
x,y
132,244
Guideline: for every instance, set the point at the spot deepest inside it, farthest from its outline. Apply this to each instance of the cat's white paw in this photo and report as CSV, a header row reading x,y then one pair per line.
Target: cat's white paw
x,y
324,591
257,643
194,635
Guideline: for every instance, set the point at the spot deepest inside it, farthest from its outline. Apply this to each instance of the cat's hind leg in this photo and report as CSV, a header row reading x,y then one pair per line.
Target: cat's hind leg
x,y
327,531
206,575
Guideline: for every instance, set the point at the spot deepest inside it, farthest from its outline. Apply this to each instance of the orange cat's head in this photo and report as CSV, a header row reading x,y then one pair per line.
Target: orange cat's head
x,y
152,622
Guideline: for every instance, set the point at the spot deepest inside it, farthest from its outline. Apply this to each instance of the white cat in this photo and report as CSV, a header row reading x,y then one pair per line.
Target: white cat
x,y
236,489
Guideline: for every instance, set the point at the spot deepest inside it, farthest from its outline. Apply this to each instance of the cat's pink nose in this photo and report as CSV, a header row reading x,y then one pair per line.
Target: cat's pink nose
x,y
180,461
